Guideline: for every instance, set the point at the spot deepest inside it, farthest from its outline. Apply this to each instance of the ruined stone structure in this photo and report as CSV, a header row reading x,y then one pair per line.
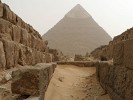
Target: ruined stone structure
x,y
57,55
107,51
116,78
21,48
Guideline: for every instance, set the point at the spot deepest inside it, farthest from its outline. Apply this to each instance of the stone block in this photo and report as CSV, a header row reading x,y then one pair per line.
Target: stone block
x,y
16,53
7,13
24,37
25,56
29,40
1,10
28,56
5,78
118,53
48,57
128,53
40,45
14,17
27,27
5,94
18,21
33,41
16,33
2,56
9,53
31,80
23,25
5,28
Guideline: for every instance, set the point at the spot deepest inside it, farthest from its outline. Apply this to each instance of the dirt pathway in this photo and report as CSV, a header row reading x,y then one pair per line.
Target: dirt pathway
x,y
75,83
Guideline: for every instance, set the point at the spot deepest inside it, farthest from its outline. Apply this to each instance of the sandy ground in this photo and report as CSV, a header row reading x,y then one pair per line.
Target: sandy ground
x,y
75,83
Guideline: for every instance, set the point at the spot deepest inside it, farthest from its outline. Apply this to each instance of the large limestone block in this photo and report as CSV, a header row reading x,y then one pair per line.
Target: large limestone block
x,y
33,41
2,56
27,27
14,18
40,45
128,53
1,10
39,57
5,78
5,94
24,37
29,40
5,29
18,21
9,53
48,57
22,57
31,80
16,33
16,53
26,56
7,13
118,53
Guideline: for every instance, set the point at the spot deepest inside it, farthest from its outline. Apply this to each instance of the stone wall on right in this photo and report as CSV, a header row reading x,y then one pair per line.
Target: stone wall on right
x,y
107,51
117,77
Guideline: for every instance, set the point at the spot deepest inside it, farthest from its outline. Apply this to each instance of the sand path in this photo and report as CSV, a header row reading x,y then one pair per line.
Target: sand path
x,y
75,83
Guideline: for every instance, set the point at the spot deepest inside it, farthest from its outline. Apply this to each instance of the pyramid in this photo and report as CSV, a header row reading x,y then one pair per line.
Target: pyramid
x,y
76,33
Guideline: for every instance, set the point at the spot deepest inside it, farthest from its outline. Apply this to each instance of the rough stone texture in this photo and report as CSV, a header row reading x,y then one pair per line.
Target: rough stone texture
x,y
24,37
7,13
5,77
9,52
78,58
5,94
107,51
1,9
57,55
16,33
128,54
118,53
32,80
2,56
5,29
117,78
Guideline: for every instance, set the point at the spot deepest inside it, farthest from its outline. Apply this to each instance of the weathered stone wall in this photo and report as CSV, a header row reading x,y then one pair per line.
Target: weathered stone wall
x,y
107,51
21,46
117,78
57,55
103,52
19,42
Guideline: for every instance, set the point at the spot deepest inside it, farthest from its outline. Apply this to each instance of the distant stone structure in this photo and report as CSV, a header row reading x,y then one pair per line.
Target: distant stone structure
x,y
57,55
21,48
77,33
78,58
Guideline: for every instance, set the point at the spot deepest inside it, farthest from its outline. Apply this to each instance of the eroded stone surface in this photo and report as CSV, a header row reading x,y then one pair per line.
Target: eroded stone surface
x,y
5,94
32,80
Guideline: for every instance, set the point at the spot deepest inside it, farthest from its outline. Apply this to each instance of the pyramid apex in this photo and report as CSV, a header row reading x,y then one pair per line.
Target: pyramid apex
x,y
78,5
78,12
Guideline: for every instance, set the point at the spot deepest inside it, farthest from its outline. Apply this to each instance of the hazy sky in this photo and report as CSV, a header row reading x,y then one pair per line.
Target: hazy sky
x,y
115,16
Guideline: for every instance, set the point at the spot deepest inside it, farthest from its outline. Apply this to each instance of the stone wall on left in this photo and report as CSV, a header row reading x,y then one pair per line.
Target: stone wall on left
x,y
20,45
